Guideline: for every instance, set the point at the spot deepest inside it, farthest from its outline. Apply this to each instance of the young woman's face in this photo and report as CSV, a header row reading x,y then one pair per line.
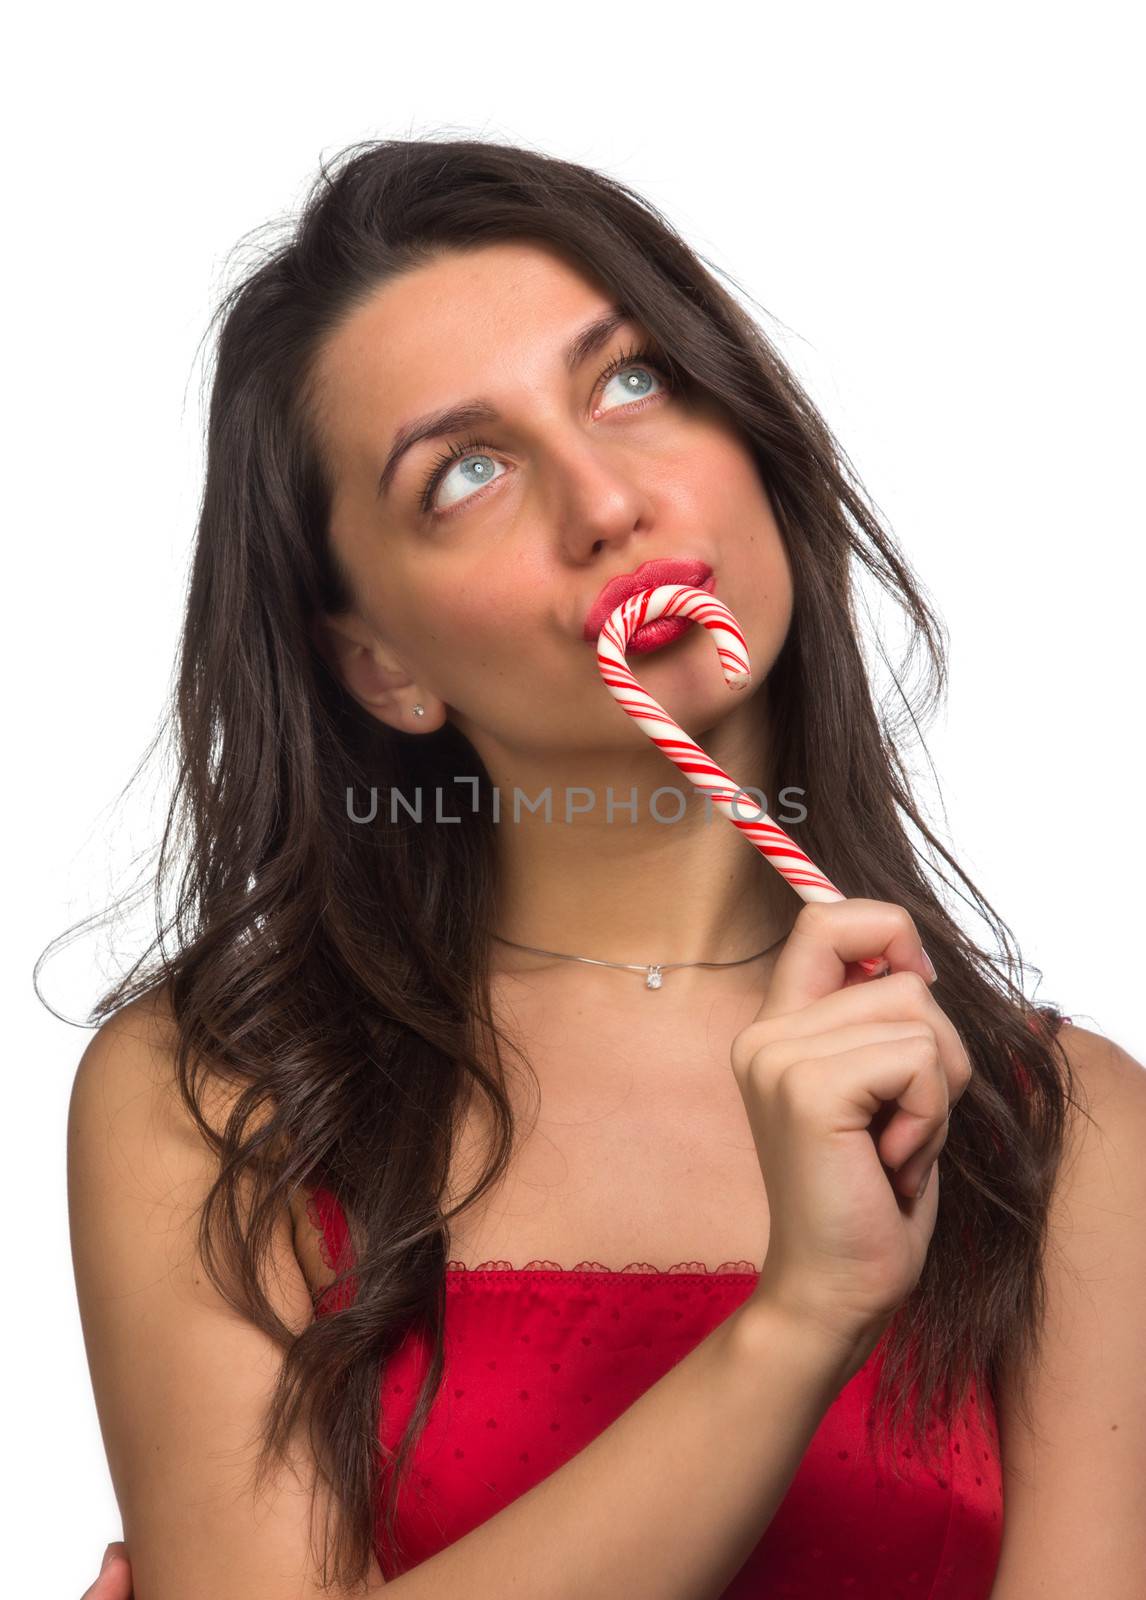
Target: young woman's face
x,y
474,574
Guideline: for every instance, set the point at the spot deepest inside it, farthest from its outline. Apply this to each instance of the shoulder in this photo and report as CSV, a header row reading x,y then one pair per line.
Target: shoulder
x,y
131,1133
126,1082
128,1120
133,1047
126,1116
1074,1444
1099,1058
1112,1103
1097,1207
140,1162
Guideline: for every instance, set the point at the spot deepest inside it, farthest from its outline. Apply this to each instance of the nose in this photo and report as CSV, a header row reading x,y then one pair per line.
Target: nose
x,y
602,504
602,514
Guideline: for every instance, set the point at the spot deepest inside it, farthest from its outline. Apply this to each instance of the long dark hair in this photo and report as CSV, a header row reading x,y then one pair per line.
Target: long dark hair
x,y
333,974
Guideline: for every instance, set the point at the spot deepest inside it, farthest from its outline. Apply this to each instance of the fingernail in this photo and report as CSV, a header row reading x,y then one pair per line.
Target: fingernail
x,y
929,964
106,1558
921,1191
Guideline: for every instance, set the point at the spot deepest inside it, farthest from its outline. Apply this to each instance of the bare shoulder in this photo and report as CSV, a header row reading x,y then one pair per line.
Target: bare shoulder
x,y
1104,1066
139,1169
133,1049
133,1146
127,1112
126,1076
1110,1115
1074,1468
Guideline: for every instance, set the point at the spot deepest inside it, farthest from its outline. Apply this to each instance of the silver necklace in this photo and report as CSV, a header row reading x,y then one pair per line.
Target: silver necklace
x,y
651,970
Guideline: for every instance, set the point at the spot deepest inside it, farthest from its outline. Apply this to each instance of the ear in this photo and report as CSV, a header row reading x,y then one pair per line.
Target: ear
x,y
370,672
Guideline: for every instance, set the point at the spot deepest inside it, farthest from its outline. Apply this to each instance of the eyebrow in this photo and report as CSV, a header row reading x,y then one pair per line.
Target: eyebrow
x,y
453,419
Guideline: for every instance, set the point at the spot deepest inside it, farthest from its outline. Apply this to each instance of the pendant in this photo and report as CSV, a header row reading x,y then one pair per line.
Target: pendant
x,y
653,978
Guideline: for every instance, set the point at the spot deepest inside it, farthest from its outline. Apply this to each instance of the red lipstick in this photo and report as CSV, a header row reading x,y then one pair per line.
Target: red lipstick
x,y
649,575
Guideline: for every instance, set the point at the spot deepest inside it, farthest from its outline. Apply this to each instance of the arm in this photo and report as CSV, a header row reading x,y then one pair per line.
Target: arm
x,y
1074,1488
669,1500
672,1497
181,1381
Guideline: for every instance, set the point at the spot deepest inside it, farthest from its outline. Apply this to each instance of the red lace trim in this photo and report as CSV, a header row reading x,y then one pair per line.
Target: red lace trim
x,y
330,1226
682,1268
321,1226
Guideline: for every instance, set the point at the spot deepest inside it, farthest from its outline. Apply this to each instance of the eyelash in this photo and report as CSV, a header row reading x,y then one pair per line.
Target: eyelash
x,y
644,355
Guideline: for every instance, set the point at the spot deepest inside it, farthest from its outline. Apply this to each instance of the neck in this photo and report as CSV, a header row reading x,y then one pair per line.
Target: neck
x,y
632,889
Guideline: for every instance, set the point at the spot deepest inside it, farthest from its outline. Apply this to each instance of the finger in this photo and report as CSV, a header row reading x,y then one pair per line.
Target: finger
x,y
781,1051
856,1081
114,1580
826,938
791,1046
913,1172
913,1041
885,1001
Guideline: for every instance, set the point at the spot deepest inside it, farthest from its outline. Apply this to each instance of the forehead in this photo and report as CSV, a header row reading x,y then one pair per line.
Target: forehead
x,y
473,322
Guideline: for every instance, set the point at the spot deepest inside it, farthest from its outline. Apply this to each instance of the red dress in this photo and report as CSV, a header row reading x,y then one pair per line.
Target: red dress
x,y
540,1359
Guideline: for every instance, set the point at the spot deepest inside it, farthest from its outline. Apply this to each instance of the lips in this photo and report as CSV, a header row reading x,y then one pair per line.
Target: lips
x,y
649,575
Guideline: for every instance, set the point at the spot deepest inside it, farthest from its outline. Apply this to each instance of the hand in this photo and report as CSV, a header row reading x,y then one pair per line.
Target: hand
x,y
824,1058
114,1581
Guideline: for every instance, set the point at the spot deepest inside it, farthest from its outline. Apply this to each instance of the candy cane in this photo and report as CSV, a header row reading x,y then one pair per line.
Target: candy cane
x,y
682,600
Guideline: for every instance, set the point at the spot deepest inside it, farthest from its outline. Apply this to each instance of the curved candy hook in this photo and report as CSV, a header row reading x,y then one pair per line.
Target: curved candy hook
x,y
682,600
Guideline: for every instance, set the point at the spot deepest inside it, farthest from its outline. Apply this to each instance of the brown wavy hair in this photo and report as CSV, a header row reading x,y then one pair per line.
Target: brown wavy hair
x,y
333,975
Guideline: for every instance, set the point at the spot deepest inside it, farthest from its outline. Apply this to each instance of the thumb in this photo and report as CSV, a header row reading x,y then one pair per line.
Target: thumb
x,y
825,941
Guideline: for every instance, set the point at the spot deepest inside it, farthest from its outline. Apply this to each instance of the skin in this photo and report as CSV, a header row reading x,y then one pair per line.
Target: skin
x,y
478,614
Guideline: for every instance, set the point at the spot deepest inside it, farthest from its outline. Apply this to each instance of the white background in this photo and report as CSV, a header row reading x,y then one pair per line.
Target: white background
x,y
939,207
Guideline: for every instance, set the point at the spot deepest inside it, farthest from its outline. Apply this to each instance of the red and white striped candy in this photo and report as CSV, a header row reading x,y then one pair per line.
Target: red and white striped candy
x,y
682,600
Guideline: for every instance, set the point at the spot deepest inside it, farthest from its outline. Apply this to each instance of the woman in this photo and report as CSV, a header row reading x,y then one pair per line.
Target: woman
x,y
297,1160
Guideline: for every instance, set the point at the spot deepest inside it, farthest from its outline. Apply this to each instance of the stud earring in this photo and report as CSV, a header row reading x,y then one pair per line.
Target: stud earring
x,y
419,711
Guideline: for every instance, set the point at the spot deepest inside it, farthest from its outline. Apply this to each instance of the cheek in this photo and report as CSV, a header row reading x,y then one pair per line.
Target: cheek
x,y
501,605
743,509
742,488
756,552
473,628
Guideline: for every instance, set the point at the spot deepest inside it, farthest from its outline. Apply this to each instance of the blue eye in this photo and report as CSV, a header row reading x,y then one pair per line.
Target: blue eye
x,y
633,384
480,468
